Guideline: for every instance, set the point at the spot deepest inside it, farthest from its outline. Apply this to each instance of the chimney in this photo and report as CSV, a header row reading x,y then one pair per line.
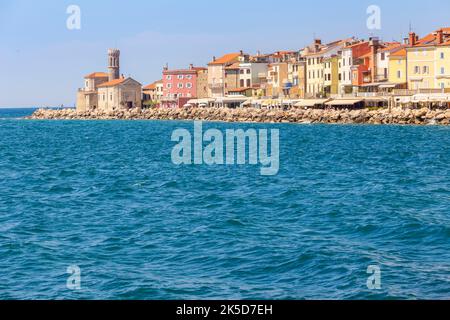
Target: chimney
x,y
317,44
412,38
440,36
241,53
191,66
214,58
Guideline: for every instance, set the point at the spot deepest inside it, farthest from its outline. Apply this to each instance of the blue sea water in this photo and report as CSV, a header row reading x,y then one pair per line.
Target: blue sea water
x,y
105,196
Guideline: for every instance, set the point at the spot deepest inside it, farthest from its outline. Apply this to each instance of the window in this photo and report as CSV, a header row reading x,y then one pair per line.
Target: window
x,y
442,55
189,77
416,69
383,56
442,70
425,70
110,97
442,85
241,71
180,85
180,77
189,85
241,84
169,78
248,83
169,86
399,74
349,61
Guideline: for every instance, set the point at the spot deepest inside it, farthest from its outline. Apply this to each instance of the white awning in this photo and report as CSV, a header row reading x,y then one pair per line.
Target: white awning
x,y
232,99
311,102
388,85
343,102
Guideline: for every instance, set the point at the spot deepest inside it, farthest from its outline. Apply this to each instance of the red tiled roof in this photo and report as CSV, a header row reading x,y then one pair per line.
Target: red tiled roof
x,y
152,86
390,46
96,75
399,52
112,83
228,58
431,38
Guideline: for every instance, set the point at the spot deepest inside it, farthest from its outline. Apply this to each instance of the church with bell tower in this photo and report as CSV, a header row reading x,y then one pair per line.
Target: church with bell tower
x,y
111,91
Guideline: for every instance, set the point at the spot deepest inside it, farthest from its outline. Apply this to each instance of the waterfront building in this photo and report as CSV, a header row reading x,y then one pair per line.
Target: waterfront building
x,y
87,97
251,74
109,91
232,77
153,93
217,71
297,77
365,68
382,63
315,56
397,68
331,75
122,93
350,56
181,85
428,61
277,79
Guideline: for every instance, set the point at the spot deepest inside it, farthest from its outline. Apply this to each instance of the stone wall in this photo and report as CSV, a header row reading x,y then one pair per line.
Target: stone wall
x,y
382,116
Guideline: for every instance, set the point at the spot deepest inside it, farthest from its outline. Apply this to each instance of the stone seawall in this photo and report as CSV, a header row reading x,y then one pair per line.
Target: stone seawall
x,y
381,116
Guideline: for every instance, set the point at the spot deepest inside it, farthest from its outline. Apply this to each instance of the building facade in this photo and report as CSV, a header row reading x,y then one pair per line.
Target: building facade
x,y
120,94
153,93
397,68
217,73
183,84
106,92
428,61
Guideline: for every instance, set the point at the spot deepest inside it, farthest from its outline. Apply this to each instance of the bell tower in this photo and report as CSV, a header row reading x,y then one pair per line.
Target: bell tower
x,y
113,64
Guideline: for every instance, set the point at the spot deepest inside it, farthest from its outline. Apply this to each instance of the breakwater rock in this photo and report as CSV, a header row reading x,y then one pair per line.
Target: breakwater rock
x,y
365,116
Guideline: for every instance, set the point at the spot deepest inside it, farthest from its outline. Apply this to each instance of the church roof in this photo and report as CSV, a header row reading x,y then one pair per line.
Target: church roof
x,y
112,83
117,82
96,75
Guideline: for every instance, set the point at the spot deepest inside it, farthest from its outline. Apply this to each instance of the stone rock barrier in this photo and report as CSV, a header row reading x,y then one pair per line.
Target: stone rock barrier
x,y
401,116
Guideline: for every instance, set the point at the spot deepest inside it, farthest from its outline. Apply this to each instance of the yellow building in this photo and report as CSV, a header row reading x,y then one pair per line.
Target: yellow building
x,y
331,75
428,61
315,67
443,66
397,67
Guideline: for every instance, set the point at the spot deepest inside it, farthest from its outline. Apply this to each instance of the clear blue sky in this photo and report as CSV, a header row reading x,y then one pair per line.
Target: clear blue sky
x,y
42,63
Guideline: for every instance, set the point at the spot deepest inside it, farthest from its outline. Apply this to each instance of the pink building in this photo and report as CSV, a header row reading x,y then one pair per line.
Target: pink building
x,y
182,85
